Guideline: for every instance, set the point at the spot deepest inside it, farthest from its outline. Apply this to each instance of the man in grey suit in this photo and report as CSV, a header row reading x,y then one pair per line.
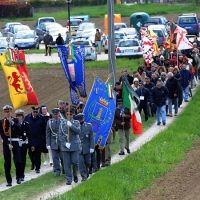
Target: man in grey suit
x,y
87,143
69,131
53,140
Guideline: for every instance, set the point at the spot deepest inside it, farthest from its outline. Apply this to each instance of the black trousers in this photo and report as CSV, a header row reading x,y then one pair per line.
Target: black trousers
x,y
7,161
23,152
35,156
144,107
48,49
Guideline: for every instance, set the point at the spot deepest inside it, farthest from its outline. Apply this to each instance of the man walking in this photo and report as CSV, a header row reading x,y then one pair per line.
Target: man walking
x,y
69,131
185,80
48,40
9,131
87,144
37,126
173,88
53,140
98,40
122,121
159,97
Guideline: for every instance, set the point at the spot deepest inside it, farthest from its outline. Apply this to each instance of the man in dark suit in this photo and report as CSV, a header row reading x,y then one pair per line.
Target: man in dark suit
x,y
87,144
144,95
9,131
53,141
122,120
25,140
69,131
37,126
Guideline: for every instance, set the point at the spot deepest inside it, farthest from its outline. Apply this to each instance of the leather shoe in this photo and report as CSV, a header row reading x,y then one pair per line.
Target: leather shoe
x,y
158,123
164,123
128,150
32,167
75,179
37,171
68,183
19,181
103,165
84,179
90,171
121,153
9,185
22,179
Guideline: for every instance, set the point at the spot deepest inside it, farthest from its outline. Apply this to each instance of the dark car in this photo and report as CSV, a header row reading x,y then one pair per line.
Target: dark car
x,y
44,27
159,19
190,23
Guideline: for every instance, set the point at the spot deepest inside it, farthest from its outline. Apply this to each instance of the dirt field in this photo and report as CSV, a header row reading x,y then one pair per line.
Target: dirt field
x,y
182,183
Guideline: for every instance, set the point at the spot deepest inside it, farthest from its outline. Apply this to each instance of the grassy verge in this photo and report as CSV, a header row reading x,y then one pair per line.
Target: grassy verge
x,y
41,184
138,170
100,11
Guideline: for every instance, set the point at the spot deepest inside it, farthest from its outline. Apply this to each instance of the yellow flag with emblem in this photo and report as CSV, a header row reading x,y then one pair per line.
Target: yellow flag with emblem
x,y
16,87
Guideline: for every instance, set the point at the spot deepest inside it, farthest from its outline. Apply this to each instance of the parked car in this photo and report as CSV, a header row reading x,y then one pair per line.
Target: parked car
x,y
44,27
15,28
129,48
90,53
74,24
54,33
44,20
160,26
158,19
189,22
83,26
4,44
6,28
117,26
26,40
130,32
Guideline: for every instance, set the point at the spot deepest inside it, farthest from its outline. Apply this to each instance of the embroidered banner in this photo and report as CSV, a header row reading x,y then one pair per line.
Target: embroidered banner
x,y
99,111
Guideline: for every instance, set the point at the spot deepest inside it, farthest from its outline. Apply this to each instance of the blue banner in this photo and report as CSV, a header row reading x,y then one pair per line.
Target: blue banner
x,y
100,111
74,69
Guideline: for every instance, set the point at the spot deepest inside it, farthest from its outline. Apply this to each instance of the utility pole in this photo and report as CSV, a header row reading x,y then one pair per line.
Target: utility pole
x,y
111,42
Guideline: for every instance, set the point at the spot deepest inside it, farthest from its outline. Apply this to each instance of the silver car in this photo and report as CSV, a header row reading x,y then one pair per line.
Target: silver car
x,y
15,29
83,26
6,28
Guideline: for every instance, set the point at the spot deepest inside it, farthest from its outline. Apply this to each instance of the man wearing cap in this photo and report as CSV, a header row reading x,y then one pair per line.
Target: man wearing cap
x,y
37,126
69,131
144,96
122,120
87,143
48,40
25,140
53,141
10,131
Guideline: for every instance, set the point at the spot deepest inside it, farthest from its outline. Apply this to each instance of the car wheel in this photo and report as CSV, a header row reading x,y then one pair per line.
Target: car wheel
x,y
106,51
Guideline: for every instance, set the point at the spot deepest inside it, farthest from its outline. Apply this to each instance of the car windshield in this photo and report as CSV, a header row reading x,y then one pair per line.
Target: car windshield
x,y
24,35
119,36
75,23
159,33
49,26
118,26
86,26
78,43
132,32
187,20
24,28
128,43
155,20
46,20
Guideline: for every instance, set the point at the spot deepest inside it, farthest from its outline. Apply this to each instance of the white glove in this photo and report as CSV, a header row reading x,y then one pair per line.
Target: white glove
x,y
69,123
91,150
48,147
68,145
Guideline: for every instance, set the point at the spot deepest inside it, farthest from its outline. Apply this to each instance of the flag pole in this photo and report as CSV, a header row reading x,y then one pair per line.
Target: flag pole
x,y
68,118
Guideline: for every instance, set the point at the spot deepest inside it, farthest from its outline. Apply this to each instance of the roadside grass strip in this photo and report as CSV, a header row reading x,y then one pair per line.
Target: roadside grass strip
x,y
100,10
122,180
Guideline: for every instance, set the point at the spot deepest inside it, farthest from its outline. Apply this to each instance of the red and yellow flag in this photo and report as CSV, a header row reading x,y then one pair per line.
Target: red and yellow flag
x,y
20,89
155,45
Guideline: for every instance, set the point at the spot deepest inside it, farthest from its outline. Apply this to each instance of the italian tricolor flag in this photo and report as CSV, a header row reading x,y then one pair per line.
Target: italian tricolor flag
x,y
129,102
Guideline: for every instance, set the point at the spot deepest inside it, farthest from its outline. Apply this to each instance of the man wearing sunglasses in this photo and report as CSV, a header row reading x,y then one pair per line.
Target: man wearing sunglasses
x,y
25,140
69,131
9,131
37,126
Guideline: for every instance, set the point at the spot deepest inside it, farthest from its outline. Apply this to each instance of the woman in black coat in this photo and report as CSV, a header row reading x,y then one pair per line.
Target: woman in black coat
x,y
59,40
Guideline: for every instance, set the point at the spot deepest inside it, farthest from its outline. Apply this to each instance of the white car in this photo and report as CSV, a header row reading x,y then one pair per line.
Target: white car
x,y
90,53
130,32
129,48
117,26
54,33
83,26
